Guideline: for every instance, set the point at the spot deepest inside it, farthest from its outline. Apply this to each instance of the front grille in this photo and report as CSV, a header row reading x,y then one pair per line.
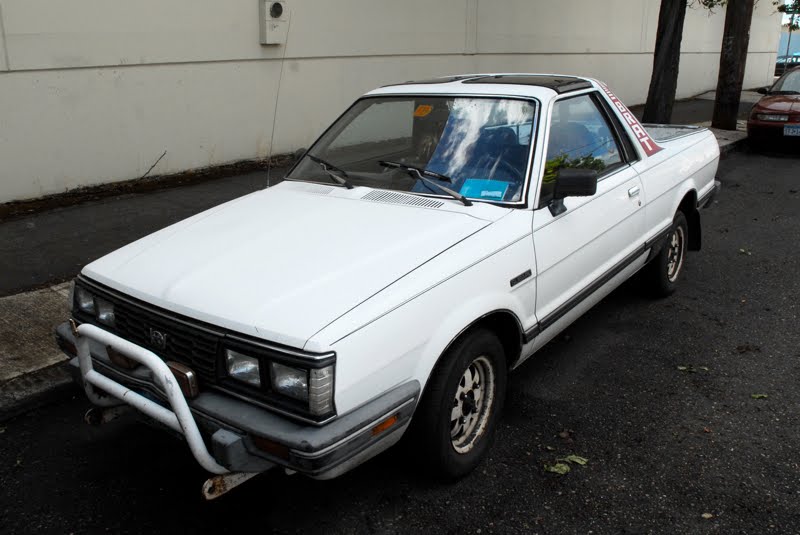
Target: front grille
x,y
189,345
194,347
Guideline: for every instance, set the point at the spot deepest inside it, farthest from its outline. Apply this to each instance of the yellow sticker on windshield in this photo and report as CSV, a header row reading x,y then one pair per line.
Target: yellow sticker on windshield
x,y
423,110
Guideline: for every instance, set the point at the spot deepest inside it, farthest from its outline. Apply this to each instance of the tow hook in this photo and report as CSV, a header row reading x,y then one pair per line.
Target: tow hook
x,y
216,486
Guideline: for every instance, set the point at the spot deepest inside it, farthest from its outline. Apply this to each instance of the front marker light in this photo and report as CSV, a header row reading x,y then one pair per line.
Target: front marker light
x,y
105,311
292,382
242,367
320,391
84,300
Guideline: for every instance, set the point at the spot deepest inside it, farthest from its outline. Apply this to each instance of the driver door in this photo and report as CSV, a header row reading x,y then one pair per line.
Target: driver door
x,y
581,248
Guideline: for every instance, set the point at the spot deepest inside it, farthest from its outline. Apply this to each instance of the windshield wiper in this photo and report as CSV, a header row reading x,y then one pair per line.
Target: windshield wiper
x,y
329,168
412,170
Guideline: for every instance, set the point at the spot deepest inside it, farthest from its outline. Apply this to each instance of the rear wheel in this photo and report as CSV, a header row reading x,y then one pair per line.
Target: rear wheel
x,y
665,269
458,414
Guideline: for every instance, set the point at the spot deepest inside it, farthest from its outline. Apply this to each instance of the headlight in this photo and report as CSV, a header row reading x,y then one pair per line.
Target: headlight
x,y
105,311
771,117
84,300
289,381
291,384
243,368
314,386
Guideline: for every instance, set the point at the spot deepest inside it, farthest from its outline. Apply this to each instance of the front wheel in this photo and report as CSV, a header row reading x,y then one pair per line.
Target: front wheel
x,y
665,269
458,413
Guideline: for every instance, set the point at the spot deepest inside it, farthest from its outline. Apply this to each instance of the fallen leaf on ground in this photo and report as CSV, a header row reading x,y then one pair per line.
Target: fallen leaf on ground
x,y
549,448
558,468
707,516
575,459
759,396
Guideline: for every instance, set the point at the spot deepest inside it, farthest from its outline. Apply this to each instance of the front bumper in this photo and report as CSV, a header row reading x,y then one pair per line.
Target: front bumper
x,y
227,434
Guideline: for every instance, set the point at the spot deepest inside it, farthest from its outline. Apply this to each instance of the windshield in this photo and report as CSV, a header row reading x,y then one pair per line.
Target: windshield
x,y
790,82
477,147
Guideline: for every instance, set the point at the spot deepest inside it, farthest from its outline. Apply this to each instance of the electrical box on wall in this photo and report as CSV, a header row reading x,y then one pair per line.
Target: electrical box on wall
x,y
274,17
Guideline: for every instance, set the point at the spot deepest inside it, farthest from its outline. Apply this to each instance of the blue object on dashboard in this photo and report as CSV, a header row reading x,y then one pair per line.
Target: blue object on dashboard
x,y
477,188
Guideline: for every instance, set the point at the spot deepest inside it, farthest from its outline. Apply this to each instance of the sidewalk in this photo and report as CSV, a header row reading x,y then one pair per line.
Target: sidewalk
x,y
43,249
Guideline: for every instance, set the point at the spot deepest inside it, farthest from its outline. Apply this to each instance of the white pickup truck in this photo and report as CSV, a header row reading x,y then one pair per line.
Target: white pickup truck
x,y
433,238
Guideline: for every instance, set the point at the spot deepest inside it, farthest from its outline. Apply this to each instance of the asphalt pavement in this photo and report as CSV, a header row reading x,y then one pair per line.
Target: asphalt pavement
x,y
686,409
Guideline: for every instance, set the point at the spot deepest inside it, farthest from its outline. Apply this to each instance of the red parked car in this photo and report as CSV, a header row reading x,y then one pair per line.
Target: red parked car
x,y
776,117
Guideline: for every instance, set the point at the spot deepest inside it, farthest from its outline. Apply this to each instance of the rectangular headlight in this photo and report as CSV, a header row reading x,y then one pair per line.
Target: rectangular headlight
x,y
84,300
104,311
772,117
289,381
243,367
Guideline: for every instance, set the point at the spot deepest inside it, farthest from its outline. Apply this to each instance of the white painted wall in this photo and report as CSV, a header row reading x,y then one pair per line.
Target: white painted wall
x,y
93,91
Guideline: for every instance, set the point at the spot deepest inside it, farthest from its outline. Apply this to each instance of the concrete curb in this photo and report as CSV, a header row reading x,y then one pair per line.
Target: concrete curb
x,y
734,146
32,390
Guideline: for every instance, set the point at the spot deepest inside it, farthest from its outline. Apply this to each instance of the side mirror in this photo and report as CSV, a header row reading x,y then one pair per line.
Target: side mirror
x,y
575,183
762,90
572,183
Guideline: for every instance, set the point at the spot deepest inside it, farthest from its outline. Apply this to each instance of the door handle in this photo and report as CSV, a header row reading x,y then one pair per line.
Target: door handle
x,y
633,192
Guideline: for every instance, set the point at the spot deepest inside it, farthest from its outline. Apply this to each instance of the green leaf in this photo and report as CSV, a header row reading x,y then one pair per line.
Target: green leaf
x,y
558,468
575,459
759,396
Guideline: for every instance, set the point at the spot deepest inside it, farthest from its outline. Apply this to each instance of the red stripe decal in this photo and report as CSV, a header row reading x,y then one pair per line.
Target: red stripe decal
x,y
650,147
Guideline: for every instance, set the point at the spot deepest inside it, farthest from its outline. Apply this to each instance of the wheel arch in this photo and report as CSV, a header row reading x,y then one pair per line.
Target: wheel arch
x,y
688,206
504,322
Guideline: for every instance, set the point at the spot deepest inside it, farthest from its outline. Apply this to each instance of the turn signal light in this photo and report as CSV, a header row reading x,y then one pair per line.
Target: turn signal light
x,y
384,425
268,446
120,360
186,379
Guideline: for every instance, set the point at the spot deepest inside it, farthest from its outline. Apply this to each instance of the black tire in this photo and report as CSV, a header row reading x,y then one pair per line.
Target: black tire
x,y
664,271
450,455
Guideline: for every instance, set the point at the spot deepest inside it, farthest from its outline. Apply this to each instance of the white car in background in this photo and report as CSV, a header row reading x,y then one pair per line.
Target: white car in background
x,y
435,236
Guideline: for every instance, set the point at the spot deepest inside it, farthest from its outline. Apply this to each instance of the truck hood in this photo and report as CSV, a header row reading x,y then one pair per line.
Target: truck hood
x,y
283,263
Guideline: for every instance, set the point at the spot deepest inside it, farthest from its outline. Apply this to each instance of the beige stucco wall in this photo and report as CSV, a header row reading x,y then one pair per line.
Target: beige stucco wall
x,y
93,91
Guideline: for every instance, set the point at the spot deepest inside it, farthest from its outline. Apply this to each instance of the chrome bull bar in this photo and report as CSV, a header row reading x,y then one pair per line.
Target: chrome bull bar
x,y
179,418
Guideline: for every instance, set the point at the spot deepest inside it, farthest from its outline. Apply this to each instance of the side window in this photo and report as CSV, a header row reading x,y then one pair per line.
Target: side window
x,y
580,137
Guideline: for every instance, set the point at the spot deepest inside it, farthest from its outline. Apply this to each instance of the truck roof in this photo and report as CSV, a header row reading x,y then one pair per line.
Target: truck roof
x,y
541,86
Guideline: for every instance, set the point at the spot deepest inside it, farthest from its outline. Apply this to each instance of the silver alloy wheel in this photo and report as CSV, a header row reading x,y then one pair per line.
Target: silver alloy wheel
x,y
472,404
675,253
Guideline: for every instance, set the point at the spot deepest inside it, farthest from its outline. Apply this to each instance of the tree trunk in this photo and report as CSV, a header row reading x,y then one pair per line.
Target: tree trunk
x,y
732,60
666,59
